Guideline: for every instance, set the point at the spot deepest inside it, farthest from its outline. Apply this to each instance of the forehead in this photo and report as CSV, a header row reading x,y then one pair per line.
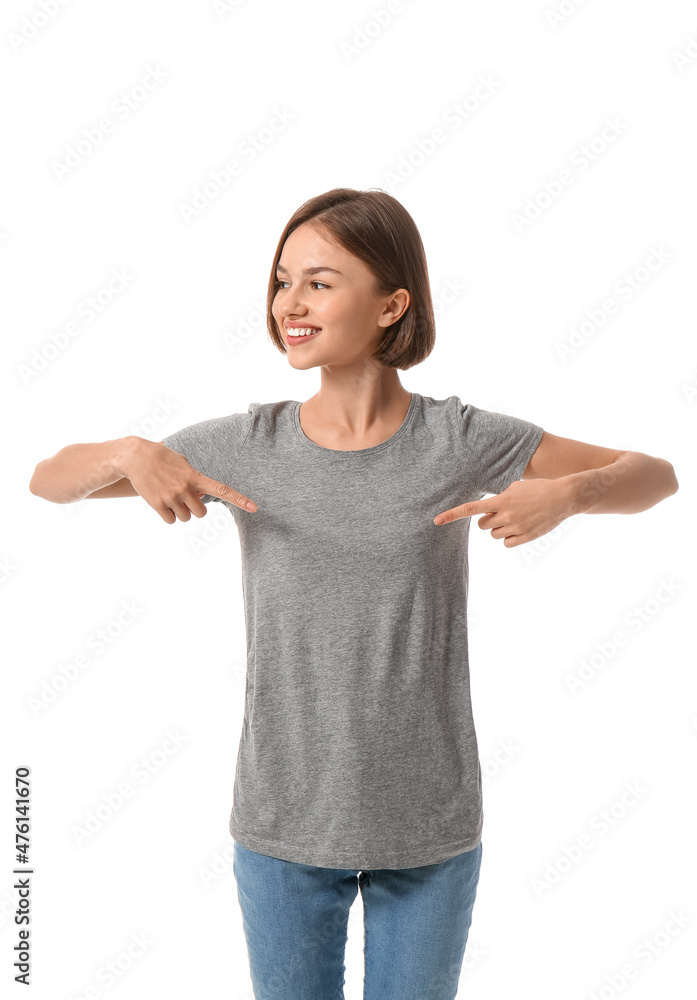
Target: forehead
x,y
306,247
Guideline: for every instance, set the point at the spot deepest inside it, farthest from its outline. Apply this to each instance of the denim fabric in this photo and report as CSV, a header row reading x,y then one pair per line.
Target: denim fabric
x,y
295,920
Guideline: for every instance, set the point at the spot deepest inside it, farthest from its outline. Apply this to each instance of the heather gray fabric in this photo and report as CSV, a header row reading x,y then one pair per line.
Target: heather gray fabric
x,y
358,747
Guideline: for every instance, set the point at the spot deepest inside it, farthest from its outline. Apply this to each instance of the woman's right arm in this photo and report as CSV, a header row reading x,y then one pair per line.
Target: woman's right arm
x,y
127,467
81,470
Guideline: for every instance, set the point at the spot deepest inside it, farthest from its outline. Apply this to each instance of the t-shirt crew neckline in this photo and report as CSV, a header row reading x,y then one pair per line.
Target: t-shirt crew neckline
x,y
358,451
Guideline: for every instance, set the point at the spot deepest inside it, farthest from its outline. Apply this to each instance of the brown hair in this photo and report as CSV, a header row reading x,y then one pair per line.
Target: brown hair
x,y
376,228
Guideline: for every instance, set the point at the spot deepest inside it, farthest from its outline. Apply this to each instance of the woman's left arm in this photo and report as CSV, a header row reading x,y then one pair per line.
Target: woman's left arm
x,y
566,477
595,480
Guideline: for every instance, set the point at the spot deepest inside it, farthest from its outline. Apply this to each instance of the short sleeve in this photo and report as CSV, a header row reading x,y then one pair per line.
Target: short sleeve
x,y
213,446
497,447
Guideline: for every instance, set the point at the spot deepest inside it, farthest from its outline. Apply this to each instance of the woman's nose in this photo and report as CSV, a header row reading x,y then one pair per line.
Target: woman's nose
x,y
293,307
292,303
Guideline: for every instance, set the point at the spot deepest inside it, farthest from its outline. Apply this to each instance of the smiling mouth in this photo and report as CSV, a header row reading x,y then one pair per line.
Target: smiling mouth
x,y
300,336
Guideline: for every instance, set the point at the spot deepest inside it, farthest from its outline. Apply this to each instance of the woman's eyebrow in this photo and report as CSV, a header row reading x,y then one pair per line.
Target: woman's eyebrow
x,y
309,270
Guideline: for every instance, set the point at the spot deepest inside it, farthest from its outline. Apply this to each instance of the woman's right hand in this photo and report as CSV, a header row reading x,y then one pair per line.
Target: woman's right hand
x,y
172,487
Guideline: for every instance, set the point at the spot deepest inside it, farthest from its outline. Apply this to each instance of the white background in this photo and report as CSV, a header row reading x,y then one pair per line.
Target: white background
x,y
185,340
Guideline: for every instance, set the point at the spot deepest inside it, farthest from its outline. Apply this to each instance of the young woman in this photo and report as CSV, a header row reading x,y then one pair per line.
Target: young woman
x,y
358,763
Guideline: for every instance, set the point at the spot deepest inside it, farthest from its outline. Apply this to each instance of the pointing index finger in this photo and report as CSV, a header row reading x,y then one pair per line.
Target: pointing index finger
x,y
225,492
468,509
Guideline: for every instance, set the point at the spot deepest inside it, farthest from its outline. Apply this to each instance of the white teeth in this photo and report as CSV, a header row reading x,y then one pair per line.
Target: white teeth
x,y
301,331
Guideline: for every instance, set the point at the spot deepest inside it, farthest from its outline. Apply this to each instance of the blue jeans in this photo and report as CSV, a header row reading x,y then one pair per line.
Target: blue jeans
x,y
295,920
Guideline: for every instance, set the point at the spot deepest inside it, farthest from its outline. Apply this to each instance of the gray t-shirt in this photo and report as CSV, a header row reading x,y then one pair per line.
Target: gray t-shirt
x,y
358,747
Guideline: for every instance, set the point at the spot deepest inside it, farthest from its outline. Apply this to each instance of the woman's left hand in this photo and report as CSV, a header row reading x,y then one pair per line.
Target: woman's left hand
x,y
527,509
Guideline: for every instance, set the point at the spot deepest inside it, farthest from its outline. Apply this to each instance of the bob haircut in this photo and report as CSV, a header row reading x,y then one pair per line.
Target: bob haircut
x,y
376,228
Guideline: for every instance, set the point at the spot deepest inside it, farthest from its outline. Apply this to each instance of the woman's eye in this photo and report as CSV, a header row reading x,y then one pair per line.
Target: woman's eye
x,y
280,282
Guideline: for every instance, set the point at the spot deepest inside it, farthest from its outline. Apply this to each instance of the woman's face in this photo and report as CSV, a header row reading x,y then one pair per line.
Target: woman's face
x,y
338,298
